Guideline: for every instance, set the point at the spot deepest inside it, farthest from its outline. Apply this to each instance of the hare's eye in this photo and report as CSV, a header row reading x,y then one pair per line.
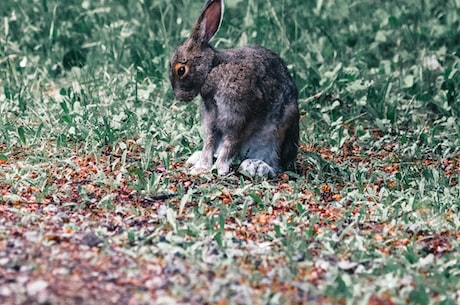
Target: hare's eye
x,y
181,70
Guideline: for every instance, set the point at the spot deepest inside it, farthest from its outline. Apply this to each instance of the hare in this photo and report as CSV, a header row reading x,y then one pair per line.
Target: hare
x,y
249,104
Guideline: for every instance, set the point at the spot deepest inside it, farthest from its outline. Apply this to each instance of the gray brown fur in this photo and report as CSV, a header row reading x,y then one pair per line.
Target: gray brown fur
x,y
249,101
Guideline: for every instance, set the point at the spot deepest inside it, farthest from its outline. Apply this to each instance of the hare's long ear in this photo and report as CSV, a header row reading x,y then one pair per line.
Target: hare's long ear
x,y
209,21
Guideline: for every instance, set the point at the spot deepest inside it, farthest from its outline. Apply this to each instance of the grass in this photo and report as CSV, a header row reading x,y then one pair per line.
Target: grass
x,y
96,202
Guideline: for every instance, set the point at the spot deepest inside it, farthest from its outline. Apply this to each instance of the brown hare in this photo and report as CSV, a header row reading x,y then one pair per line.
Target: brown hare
x,y
249,101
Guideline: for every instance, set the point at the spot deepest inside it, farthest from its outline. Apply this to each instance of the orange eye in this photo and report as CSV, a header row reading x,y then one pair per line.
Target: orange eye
x,y
181,70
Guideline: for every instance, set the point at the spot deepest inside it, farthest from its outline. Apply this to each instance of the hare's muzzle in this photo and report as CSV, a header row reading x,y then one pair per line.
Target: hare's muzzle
x,y
184,95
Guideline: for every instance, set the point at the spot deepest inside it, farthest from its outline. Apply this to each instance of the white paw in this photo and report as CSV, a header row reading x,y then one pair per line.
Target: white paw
x,y
194,158
198,169
223,168
197,165
256,168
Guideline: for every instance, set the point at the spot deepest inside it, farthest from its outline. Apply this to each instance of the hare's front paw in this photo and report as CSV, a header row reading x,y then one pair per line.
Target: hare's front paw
x,y
197,164
198,169
256,168
223,168
194,158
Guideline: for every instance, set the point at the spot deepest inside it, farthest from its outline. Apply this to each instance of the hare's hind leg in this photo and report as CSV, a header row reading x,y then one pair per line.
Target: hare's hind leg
x,y
289,136
256,168
261,154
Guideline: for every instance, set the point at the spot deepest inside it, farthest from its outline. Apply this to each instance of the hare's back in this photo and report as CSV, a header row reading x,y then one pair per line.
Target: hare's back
x,y
249,72
261,61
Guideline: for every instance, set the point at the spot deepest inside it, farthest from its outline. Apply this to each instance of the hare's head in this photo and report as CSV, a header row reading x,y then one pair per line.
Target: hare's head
x,y
192,61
